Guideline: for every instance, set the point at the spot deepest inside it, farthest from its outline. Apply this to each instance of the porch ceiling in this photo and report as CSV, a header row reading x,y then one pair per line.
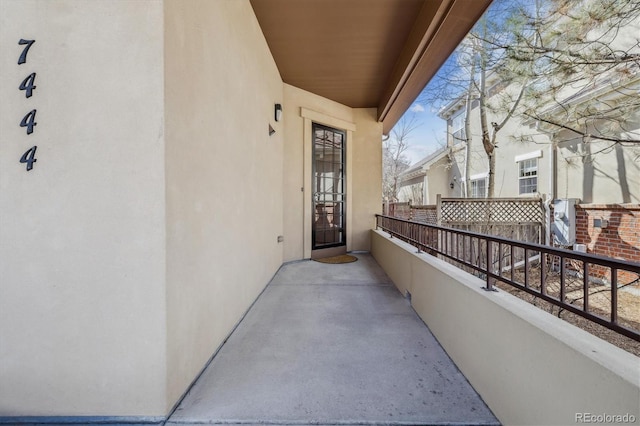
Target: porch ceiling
x,y
365,53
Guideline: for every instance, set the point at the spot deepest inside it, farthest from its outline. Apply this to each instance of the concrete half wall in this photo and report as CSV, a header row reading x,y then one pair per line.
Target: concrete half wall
x,y
529,366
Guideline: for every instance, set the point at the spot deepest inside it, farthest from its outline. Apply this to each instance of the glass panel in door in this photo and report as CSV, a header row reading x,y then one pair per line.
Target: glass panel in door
x,y
328,228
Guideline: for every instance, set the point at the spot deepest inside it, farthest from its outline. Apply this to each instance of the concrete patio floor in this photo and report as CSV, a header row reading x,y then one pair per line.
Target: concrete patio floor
x,y
332,344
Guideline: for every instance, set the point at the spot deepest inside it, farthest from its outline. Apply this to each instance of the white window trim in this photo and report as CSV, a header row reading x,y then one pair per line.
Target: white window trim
x,y
537,175
528,156
462,113
479,176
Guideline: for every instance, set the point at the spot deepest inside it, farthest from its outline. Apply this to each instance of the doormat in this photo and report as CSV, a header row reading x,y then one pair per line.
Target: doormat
x,y
343,258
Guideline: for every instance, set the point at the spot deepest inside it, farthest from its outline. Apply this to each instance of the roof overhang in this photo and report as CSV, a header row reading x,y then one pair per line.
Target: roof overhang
x,y
365,53
422,167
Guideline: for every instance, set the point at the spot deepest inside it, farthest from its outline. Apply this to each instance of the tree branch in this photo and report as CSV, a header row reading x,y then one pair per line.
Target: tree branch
x,y
580,132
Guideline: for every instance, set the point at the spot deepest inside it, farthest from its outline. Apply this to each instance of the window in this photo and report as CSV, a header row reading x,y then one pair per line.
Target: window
x,y
457,128
479,188
528,176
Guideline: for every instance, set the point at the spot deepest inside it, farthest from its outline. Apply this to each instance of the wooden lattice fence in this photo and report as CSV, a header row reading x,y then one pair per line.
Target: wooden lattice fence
x,y
400,210
404,210
509,211
521,219
425,214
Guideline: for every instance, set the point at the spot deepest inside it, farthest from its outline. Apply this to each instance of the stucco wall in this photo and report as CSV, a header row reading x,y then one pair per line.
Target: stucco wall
x,y
598,172
438,180
224,176
82,259
364,170
530,367
510,145
366,177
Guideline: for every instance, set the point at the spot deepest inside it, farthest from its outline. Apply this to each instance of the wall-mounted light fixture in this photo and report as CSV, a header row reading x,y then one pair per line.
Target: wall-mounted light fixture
x,y
600,223
451,185
278,112
271,130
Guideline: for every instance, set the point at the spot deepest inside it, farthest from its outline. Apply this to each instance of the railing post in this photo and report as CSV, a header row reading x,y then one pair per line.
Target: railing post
x,y
489,258
585,284
614,295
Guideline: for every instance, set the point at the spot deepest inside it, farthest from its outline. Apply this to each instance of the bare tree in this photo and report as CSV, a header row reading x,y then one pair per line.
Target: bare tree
x,y
585,68
477,74
394,160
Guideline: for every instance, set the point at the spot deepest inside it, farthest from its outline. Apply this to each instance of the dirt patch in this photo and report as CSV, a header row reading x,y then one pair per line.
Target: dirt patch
x,y
599,304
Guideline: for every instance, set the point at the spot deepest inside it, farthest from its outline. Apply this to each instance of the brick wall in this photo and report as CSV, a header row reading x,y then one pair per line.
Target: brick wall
x,y
620,239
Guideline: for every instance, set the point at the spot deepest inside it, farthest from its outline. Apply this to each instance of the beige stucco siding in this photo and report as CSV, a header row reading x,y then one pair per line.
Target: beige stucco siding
x,y
598,172
513,140
438,180
366,177
224,176
82,260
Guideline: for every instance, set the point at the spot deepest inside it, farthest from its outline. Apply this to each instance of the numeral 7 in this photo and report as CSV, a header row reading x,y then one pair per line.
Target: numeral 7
x,y
23,56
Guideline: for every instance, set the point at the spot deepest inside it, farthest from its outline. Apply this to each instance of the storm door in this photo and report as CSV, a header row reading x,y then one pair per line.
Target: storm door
x,y
329,221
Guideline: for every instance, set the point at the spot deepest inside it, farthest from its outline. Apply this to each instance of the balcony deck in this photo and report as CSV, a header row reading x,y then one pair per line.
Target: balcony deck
x,y
332,344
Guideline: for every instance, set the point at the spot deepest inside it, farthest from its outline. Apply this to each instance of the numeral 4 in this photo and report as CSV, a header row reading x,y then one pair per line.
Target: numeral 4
x,y
29,157
28,84
29,121
23,55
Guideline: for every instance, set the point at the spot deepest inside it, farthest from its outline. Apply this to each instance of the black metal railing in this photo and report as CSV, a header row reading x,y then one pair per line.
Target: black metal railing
x,y
584,284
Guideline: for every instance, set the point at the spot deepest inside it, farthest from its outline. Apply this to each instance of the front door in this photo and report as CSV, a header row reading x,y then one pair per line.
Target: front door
x,y
329,221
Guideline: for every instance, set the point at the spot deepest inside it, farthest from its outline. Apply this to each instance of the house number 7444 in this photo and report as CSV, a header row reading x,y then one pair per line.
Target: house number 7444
x,y
29,120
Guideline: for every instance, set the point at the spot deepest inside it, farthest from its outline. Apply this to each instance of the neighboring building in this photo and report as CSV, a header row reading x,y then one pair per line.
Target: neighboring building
x,y
422,182
578,175
166,190
590,169
534,158
520,168
529,162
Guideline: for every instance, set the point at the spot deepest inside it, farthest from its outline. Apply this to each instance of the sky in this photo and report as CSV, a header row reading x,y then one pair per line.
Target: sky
x,y
429,136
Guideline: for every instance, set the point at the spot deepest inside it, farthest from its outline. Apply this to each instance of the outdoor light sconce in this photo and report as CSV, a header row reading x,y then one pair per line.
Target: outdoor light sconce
x,y
600,223
271,130
451,185
278,112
